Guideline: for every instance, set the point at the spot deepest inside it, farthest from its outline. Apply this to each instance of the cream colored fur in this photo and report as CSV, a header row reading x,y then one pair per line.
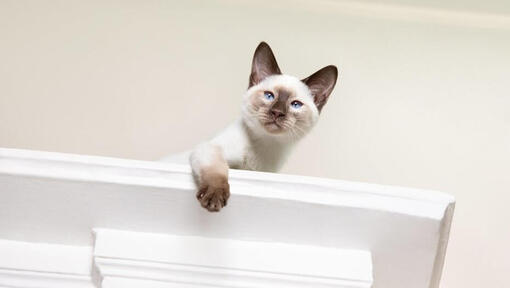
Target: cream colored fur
x,y
259,140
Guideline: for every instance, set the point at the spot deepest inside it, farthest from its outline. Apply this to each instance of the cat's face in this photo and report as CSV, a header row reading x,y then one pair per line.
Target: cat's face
x,y
282,105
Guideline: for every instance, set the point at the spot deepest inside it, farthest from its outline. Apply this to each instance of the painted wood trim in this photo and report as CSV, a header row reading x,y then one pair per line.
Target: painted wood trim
x,y
41,265
60,198
226,262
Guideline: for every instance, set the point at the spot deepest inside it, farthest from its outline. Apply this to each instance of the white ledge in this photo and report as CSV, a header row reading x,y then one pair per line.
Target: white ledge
x,y
60,198
24,264
226,262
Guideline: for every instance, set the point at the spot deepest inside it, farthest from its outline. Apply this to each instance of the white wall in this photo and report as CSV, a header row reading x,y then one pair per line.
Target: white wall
x,y
423,98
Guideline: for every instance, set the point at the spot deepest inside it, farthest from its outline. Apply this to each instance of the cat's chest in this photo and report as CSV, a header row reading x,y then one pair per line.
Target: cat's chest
x,y
264,159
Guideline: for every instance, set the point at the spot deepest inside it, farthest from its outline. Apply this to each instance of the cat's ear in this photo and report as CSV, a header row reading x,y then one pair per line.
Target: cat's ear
x,y
321,84
263,64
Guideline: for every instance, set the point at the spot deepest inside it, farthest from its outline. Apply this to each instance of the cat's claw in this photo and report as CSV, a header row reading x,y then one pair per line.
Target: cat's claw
x,y
214,197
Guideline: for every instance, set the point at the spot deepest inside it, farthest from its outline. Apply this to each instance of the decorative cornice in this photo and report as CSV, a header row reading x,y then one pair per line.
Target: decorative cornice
x,y
40,265
313,190
31,279
210,262
59,198
385,10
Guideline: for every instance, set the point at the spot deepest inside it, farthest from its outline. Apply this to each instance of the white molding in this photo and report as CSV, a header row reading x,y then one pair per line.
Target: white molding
x,y
225,262
59,198
39,265
31,279
418,202
420,13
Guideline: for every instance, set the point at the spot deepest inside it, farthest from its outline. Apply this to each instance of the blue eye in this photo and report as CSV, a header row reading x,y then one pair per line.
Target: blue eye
x,y
296,104
269,96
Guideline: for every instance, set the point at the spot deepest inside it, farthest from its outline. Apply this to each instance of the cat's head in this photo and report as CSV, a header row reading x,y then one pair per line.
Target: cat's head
x,y
282,105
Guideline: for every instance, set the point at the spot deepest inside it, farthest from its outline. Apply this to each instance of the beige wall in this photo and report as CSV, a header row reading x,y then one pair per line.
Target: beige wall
x,y
423,98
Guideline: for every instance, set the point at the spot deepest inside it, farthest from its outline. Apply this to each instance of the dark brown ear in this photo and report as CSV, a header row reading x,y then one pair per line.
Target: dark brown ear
x,y
263,64
321,84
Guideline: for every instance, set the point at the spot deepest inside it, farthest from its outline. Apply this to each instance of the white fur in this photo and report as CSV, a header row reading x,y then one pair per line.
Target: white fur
x,y
245,144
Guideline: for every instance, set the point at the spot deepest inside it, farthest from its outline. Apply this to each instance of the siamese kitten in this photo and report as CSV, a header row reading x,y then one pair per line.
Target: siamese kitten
x,y
277,110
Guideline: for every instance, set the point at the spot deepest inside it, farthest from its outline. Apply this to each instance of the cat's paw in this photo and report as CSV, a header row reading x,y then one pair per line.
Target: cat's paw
x,y
213,194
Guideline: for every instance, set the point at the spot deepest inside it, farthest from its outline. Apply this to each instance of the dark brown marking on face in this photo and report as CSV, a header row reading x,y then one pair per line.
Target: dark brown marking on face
x,y
321,84
263,64
280,107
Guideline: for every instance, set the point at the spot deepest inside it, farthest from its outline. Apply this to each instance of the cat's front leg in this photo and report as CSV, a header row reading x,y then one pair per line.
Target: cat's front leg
x,y
211,172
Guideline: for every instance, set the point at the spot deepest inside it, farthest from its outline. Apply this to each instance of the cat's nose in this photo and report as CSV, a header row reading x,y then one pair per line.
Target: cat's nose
x,y
277,113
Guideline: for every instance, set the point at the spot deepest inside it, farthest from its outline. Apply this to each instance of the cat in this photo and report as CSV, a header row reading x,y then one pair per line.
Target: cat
x,y
277,110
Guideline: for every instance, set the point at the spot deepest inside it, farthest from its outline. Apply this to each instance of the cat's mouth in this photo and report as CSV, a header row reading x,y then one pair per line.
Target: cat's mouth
x,y
273,126
273,123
